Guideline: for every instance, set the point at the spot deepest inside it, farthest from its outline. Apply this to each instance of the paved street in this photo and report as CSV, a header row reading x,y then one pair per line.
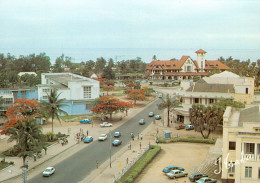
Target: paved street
x,y
76,167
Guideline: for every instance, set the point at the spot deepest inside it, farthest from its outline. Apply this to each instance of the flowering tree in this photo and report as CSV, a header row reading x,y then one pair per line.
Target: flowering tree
x,y
109,105
21,110
108,88
136,95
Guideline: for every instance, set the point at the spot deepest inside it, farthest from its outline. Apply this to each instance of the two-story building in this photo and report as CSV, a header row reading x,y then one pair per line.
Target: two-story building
x,y
241,145
225,85
183,69
78,91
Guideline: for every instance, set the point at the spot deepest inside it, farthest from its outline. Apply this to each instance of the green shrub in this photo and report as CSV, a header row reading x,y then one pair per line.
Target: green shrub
x,y
59,134
187,139
51,136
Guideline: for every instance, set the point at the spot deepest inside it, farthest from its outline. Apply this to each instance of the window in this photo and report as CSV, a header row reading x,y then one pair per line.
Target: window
x,y
87,106
6,91
231,168
196,100
249,148
246,90
188,68
45,90
211,100
87,92
45,97
232,145
248,172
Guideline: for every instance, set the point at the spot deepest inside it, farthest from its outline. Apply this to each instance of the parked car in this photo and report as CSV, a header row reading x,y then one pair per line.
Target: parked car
x,y
169,168
141,122
106,124
196,176
160,95
206,180
180,126
102,137
189,127
85,121
176,173
88,139
157,117
48,171
117,142
117,134
151,114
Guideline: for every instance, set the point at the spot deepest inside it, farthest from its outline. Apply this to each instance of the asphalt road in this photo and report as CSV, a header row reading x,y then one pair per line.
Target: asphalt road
x,y
78,166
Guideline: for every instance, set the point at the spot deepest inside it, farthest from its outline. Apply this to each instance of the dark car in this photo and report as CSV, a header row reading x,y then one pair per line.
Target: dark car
x,y
196,176
141,121
117,134
117,142
189,127
169,168
157,117
180,126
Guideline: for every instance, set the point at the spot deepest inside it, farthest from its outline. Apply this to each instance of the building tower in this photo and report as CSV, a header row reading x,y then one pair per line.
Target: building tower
x,y
201,59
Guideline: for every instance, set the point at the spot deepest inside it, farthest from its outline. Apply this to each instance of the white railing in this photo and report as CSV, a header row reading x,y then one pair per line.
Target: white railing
x,y
129,165
249,157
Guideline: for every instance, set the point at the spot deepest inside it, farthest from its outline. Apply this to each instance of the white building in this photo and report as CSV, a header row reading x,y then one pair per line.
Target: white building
x,y
225,85
78,91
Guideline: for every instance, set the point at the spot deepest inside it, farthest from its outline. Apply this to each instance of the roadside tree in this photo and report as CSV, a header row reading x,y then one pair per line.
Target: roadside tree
x,y
170,104
136,95
108,88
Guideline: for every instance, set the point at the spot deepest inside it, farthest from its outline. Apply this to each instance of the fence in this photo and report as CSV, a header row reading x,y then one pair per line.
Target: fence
x,y
129,165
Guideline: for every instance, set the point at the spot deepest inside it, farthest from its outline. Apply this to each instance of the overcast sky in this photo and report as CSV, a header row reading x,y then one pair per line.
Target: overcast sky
x,y
181,24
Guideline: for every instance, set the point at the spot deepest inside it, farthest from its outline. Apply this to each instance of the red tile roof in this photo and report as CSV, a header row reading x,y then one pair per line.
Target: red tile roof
x,y
211,64
200,51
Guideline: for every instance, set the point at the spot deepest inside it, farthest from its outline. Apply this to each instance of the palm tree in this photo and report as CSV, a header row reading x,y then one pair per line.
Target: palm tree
x,y
29,137
53,106
170,104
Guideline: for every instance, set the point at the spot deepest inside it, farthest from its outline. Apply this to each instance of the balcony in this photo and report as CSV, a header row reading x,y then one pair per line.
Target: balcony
x,y
251,157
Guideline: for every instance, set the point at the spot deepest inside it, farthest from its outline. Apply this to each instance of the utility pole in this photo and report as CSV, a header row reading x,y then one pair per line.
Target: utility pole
x,y
24,175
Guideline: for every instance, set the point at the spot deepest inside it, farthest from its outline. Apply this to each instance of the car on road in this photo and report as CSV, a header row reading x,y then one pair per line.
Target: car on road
x,y
160,95
169,168
102,137
48,171
117,134
151,114
141,122
85,121
106,124
88,139
206,180
173,174
117,142
189,127
196,176
157,117
180,126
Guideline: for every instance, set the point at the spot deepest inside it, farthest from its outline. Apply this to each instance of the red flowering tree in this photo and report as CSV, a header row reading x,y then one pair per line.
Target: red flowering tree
x,y
21,110
108,105
136,95
108,88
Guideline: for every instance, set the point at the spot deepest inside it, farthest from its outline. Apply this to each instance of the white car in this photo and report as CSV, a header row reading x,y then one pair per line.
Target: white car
x,y
176,173
48,171
102,137
105,124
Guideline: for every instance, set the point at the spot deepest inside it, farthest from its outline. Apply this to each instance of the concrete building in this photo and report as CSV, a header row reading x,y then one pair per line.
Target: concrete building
x,y
225,85
78,91
183,69
241,145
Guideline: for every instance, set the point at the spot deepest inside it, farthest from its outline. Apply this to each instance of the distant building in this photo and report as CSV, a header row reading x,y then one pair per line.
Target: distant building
x,y
95,75
78,91
183,69
225,85
241,145
23,73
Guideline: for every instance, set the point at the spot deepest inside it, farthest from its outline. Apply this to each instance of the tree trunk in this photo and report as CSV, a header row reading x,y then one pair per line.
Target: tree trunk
x,y
52,123
24,157
110,116
168,124
207,136
202,134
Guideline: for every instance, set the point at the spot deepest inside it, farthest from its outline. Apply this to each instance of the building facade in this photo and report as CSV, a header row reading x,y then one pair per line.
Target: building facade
x,y
183,69
78,91
225,85
241,145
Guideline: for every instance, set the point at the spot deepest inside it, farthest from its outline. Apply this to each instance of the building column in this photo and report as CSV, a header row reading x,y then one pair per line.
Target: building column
x,y
238,168
255,151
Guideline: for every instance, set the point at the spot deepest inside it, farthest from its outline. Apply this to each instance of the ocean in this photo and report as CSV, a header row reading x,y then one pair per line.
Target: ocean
x,y
118,54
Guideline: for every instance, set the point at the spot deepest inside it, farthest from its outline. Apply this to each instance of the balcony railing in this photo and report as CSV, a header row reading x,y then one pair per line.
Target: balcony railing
x,y
251,157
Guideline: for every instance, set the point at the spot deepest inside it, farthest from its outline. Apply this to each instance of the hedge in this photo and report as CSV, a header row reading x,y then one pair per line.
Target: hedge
x,y
187,139
138,167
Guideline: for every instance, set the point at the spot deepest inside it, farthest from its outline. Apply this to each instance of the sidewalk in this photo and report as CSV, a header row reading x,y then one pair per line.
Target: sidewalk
x,y
56,149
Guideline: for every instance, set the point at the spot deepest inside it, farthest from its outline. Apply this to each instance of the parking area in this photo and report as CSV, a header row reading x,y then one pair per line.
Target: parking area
x,y
185,155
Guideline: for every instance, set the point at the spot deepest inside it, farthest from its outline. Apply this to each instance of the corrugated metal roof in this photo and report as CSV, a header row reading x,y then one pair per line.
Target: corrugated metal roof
x,y
251,114
205,87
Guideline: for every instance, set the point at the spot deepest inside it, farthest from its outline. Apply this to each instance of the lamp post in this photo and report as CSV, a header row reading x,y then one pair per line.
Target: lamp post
x,y
110,147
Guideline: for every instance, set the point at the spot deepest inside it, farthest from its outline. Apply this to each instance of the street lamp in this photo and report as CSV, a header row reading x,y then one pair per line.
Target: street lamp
x,y
110,146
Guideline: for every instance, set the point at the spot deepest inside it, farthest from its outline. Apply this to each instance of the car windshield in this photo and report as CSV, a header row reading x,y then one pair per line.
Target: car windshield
x,y
88,138
102,135
47,170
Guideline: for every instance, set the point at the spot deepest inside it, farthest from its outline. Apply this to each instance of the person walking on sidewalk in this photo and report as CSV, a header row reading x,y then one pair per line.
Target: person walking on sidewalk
x,y
87,132
26,165
141,137
97,163
140,145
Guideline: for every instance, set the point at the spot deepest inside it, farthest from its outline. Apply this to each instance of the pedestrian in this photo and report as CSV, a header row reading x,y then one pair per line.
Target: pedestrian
x,y
138,136
157,141
87,132
130,145
62,142
26,165
97,163
126,160
34,156
140,145
141,137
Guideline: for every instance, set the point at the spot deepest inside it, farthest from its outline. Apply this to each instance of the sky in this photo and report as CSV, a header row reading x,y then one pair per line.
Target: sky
x,y
54,26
